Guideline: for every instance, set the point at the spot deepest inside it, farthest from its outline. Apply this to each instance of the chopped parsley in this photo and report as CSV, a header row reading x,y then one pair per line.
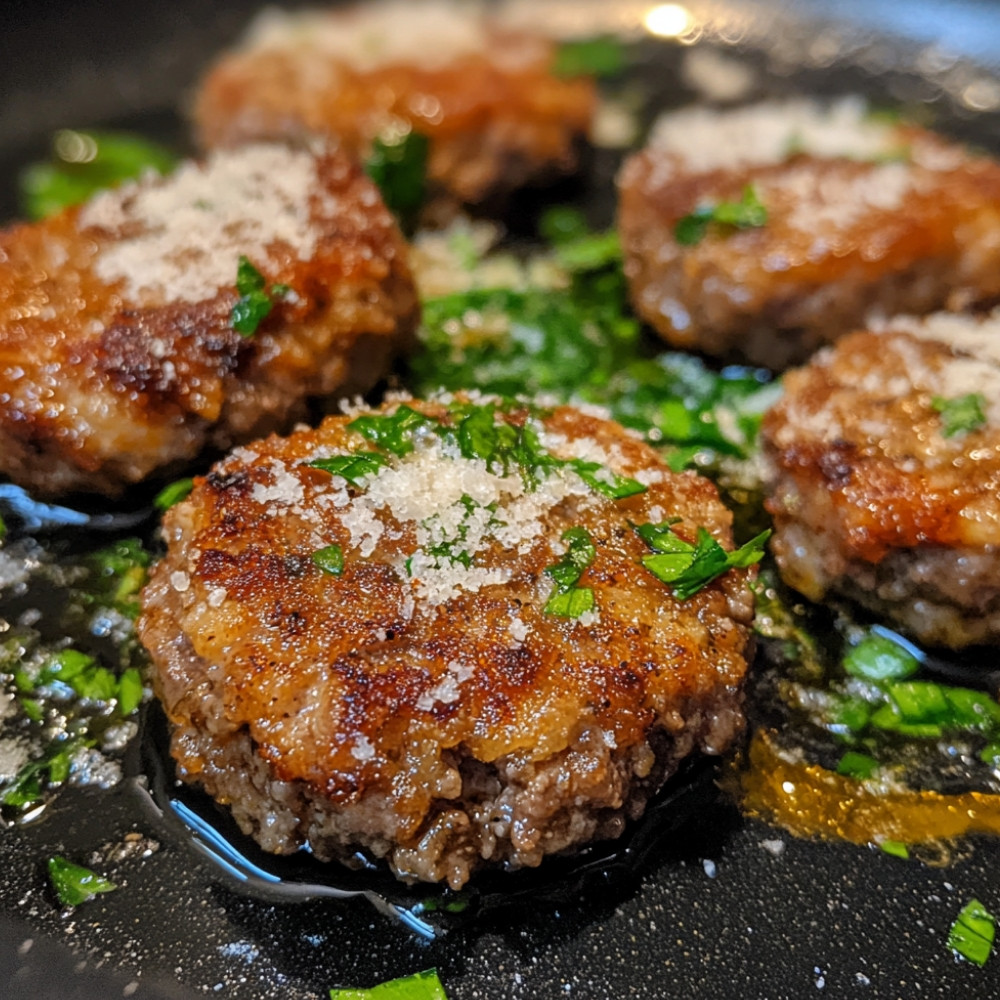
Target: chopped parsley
x,y
393,432
51,769
561,341
84,163
877,657
971,935
74,884
960,414
420,986
747,213
398,166
604,480
172,494
600,56
353,467
569,600
689,567
501,444
330,559
895,848
255,302
857,765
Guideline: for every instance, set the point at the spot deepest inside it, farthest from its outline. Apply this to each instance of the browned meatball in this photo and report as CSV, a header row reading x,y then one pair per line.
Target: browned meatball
x,y
854,215
886,456
380,659
118,357
483,92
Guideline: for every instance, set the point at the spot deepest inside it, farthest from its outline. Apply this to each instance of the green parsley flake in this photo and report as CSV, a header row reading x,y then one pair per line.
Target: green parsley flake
x,y
354,467
857,765
74,884
568,600
84,163
971,935
393,432
600,56
254,303
896,848
879,658
605,481
747,213
961,414
689,567
173,494
398,166
420,986
330,559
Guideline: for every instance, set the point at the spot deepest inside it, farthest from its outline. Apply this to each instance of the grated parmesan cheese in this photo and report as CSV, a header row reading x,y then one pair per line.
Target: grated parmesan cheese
x,y
373,35
703,139
179,238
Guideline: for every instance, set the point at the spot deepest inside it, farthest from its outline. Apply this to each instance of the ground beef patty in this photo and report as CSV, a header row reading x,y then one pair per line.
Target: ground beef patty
x,y
118,353
764,232
886,459
482,91
376,654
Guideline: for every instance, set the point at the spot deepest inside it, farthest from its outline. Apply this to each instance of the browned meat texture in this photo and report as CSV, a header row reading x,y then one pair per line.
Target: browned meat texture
x,y
860,217
117,355
482,92
424,706
871,496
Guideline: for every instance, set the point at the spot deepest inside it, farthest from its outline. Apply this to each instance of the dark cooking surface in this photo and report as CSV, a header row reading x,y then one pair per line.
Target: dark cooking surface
x,y
727,908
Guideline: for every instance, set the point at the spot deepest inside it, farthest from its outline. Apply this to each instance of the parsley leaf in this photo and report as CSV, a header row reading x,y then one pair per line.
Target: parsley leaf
x,y
971,935
747,213
604,480
330,559
74,884
420,986
690,567
398,166
353,467
84,163
960,414
255,302
392,431
568,600
172,494
600,56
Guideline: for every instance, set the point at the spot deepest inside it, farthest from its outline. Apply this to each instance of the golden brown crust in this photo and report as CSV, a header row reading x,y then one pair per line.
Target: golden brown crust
x,y
923,238
497,119
871,498
103,386
344,684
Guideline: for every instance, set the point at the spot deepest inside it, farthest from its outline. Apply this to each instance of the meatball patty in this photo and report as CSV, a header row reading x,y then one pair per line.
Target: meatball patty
x,y
425,631
118,353
764,232
886,464
483,92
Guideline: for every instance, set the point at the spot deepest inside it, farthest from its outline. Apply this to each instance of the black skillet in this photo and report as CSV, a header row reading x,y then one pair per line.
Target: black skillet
x,y
718,907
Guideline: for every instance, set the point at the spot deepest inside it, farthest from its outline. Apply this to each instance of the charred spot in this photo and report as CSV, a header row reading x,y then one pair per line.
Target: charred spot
x,y
836,464
295,565
237,482
289,621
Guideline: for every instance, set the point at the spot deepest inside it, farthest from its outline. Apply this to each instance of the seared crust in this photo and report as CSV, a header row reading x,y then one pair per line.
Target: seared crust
x,y
871,499
496,115
900,221
440,726
117,356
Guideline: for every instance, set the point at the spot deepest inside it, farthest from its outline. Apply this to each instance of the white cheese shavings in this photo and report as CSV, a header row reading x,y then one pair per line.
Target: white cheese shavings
x,y
179,238
703,139
375,34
